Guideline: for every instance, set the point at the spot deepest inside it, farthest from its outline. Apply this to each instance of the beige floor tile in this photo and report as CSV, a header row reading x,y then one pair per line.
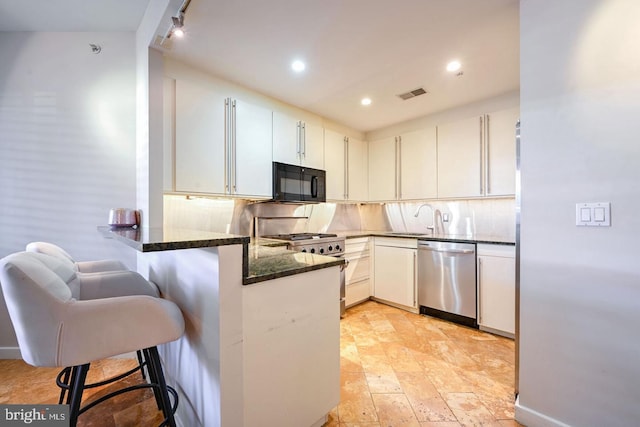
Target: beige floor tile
x,y
356,404
395,410
401,358
350,358
424,398
386,382
469,410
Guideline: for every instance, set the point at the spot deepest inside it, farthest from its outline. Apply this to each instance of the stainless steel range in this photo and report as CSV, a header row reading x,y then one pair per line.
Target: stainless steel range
x,y
313,243
318,244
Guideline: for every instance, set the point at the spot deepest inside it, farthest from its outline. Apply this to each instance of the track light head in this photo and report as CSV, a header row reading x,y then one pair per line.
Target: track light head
x,y
178,25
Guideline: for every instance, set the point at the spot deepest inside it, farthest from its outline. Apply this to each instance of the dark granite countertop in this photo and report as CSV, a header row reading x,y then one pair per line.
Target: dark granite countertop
x,y
272,262
263,259
477,238
167,239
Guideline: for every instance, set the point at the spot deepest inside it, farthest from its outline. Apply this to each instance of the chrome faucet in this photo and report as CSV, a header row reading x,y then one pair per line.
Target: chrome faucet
x,y
431,227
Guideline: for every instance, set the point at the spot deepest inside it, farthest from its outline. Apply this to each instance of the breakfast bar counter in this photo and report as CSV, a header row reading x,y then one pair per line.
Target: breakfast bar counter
x,y
263,259
262,326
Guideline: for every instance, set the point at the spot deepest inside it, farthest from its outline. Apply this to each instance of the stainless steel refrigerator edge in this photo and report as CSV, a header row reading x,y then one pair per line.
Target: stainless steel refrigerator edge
x,y
518,206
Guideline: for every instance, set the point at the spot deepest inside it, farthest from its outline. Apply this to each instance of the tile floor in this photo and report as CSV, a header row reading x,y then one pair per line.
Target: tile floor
x,y
397,369
402,369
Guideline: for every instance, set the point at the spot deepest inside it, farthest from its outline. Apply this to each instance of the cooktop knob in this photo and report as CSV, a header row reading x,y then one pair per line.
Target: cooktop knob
x,y
330,248
337,247
304,250
313,251
321,250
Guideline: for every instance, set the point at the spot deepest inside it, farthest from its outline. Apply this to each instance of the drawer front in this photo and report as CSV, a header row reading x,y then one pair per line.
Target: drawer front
x,y
357,292
355,246
358,269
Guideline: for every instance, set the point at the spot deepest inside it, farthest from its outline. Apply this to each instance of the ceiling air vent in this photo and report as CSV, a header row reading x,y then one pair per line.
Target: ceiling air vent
x,y
412,94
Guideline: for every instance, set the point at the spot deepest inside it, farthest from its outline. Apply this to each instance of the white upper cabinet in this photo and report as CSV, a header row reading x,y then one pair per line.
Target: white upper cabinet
x,y
346,165
200,139
460,157
383,160
357,170
335,150
222,145
251,150
476,156
297,142
501,152
418,165
404,167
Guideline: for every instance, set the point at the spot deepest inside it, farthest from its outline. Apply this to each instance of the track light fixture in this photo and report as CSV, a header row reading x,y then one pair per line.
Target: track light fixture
x,y
178,25
176,28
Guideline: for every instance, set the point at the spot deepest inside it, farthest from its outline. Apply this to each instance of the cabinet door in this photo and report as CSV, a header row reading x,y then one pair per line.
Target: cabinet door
x,y
253,150
200,146
168,131
286,148
459,158
501,152
382,170
496,287
312,145
394,275
334,149
357,170
418,165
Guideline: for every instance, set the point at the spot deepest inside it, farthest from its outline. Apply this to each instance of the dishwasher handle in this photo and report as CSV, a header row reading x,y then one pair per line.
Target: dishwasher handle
x,y
426,247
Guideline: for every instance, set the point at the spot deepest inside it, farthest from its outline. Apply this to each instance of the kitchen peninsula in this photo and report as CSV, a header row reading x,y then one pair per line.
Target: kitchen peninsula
x,y
262,326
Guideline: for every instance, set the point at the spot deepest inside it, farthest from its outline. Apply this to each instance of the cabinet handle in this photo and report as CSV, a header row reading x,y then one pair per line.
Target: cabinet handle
x,y
303,125
346,167
415,278
234,160
481,156
395,182
479,290
227,137
487,147
399,171
298,138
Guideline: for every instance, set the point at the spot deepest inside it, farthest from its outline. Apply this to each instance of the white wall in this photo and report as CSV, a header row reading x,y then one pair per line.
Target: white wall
x,y
580,287
67,141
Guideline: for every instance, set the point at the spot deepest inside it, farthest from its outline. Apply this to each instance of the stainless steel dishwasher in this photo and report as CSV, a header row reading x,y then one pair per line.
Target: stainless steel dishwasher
x,y
447,281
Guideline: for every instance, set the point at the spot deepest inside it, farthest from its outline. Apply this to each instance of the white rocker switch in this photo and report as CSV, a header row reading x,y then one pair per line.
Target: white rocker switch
x,y
593,214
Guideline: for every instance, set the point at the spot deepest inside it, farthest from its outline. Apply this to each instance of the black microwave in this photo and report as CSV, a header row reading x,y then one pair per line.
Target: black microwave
x,y
293,183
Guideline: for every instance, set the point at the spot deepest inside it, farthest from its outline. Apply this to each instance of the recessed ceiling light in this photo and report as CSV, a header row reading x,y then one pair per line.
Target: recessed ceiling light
x,y
298,66
365,101
178,32
453,66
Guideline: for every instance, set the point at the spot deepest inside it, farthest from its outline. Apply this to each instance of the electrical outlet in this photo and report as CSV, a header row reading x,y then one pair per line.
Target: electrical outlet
x,y
445,217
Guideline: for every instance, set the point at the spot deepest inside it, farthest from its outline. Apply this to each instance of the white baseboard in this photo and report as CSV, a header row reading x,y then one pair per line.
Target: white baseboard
x,y
532,418
10,353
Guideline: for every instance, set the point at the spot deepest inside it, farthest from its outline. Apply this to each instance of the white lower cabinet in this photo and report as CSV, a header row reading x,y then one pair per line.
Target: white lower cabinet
x,y
496,288
357,274
395,271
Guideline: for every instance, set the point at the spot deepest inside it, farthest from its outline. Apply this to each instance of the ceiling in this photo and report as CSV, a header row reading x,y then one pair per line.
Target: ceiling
x,y
352,48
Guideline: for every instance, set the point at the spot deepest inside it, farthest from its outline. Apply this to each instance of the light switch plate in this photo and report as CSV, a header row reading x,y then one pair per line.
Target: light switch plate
x,y
596,214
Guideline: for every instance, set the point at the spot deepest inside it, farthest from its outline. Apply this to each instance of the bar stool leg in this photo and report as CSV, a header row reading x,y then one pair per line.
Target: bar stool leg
x,y
78,378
